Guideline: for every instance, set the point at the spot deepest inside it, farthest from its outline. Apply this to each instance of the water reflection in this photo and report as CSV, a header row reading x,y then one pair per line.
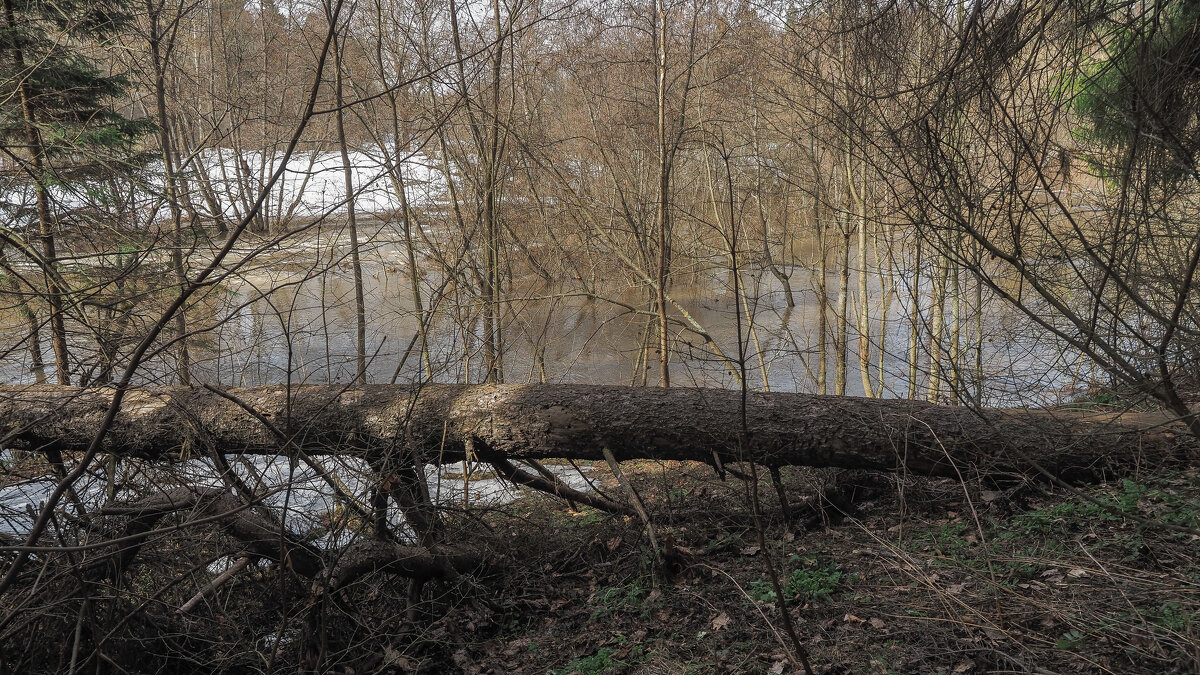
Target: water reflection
x,y
289,317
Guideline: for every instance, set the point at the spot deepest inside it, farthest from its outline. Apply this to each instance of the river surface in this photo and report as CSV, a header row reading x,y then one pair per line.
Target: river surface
x,y
294,493
288,315
304,331
284,312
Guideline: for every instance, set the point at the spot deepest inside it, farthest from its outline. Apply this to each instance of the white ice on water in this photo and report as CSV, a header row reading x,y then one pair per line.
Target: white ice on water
x,y
311,186
313,183
309,501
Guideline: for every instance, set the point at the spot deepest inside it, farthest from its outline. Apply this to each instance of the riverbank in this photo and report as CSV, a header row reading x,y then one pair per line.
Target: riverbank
x,y
880,574
920,576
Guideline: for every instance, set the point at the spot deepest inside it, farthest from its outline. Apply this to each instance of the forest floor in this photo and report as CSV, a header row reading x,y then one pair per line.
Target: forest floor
x,y
921,576
881,574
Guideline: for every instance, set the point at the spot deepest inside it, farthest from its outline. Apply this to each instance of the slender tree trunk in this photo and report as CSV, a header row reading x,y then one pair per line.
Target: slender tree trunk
x,y
914,319
784,279
182,357
487,145
979,340
842,341
863,315
414,275
493,291
267,157
37,156
37,365
956,365
664,194
822,304
937,327
886,272
360,305
449,176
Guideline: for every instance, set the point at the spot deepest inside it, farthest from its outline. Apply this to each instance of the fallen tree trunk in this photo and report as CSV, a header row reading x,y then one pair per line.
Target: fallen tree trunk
x,y
556,487
509,422
265,539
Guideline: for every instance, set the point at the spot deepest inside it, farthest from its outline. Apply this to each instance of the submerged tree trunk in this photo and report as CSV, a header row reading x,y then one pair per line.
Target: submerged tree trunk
x,y
37,365
579,422
170,187
46,225
664,195
360,304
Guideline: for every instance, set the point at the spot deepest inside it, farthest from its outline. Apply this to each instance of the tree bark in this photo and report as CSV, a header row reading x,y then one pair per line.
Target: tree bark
x,y
46,224
360,303
578,421
170,187
37,366
664,194
262,539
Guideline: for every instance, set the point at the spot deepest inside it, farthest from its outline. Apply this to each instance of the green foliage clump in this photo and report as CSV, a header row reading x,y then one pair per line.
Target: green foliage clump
x,y
603,661
808,582
54,89
1174,617
1140,89
600,662
612,599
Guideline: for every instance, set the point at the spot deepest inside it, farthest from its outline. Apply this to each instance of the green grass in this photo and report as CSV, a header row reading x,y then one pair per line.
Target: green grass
x,y
1133,502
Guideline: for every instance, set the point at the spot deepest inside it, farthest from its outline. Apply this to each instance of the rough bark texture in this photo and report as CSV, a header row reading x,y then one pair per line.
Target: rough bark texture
x,y
264,539
578,421
552,485
260,536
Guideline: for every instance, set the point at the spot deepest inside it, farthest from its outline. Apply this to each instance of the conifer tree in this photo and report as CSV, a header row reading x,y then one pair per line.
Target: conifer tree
x,y
57,121
1141,92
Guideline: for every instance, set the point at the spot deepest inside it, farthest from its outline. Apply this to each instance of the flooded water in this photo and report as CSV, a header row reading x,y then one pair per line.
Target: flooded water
x,y
288,315
293,492
304,331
